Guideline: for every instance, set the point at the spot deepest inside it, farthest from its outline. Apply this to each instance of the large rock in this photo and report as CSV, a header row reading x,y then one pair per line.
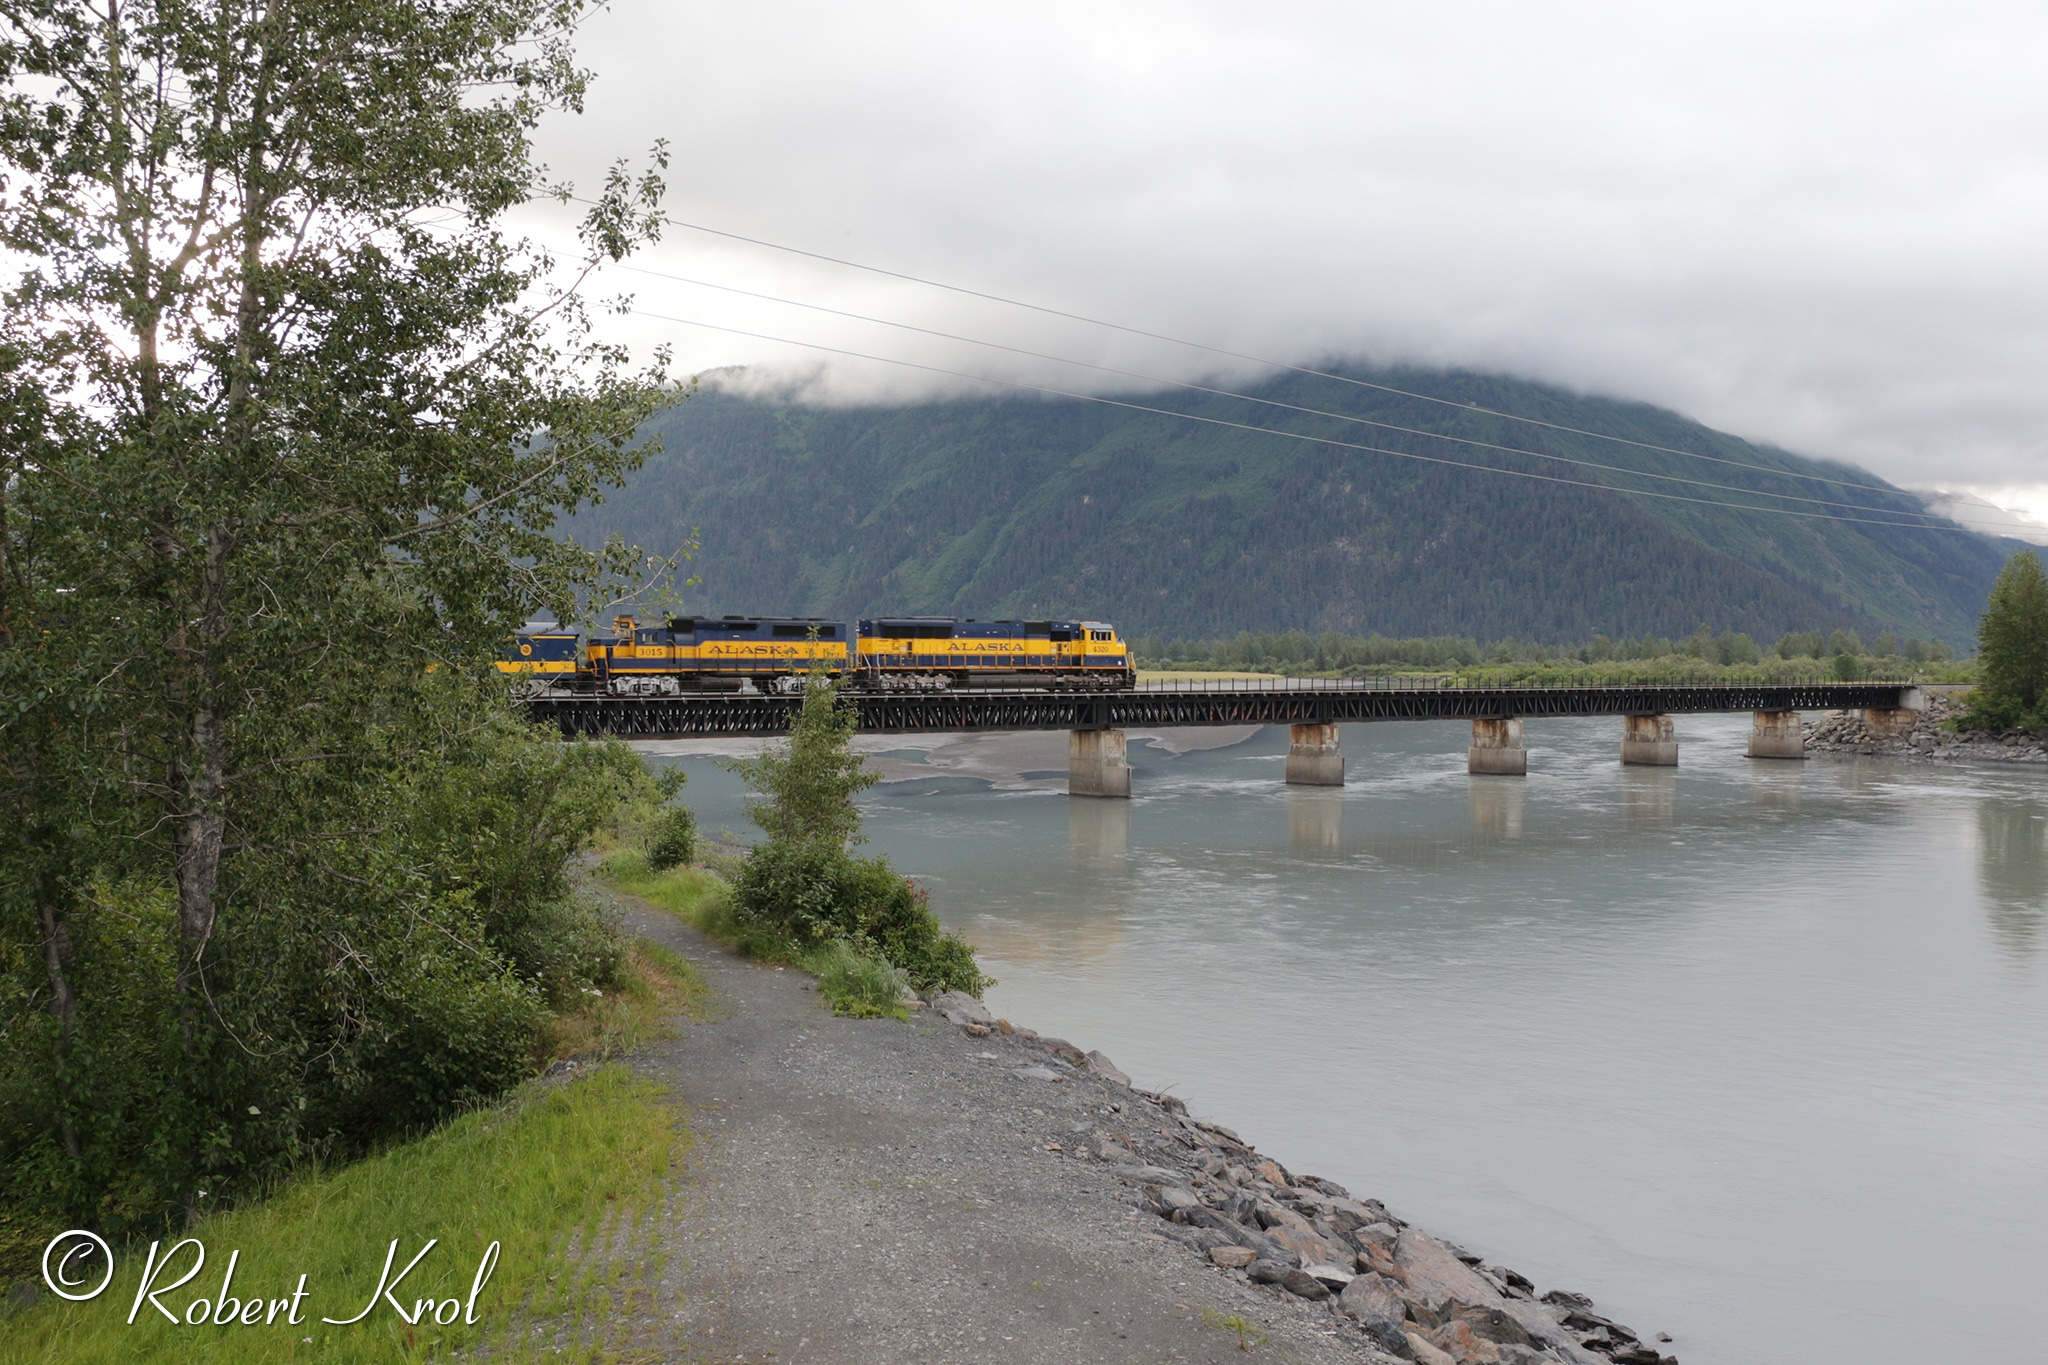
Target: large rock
x,y
1301,1282
1264,1271
1205,1217
1425,1352
1457,1340
1064,1050
1312,1249
958,1007
1489,1322
1383,1236
1436,1272
1373,1296
1272,1215
1272,1253
1334,1277
1106,1069
1388,1337
1348,1215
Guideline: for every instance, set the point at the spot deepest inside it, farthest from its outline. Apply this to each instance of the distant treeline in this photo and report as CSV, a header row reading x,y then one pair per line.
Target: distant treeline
x,y
1334,653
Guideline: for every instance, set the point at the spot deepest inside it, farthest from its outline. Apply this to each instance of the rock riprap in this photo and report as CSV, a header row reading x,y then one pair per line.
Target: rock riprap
x,y
1392,1290
1928,737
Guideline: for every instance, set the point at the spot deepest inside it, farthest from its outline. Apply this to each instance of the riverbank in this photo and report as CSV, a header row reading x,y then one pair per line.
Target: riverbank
x,y
1926,737
960,1189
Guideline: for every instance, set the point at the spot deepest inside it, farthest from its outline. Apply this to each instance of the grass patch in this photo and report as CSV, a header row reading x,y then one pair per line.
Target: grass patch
x,y
854,984
568,1178
858,986
655,982
1247,1335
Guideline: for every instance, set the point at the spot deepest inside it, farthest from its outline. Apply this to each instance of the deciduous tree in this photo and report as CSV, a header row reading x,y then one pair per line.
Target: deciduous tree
x,y
286,417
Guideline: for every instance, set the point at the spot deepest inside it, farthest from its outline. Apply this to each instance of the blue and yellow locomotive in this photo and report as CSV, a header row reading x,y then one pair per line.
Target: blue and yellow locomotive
x,y
938,652
776,653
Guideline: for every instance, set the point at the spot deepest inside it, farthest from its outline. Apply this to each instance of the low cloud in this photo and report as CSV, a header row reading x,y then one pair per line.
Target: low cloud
x,y
1815,225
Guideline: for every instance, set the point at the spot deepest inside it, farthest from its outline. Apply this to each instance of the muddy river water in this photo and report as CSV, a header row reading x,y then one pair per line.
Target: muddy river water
x,y
1755,1053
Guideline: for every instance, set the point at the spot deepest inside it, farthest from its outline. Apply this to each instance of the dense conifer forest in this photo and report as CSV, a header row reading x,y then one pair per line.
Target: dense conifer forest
x,y
1174,529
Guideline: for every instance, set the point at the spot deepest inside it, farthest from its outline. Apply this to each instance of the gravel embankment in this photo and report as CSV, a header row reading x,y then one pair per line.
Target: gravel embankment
x,y
960,1190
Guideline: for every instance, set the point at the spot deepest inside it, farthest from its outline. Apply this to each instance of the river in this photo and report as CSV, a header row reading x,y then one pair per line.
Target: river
x,y
1755,1053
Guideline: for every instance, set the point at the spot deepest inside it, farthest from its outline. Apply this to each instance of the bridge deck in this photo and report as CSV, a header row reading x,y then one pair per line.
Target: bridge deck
x,y
1289,701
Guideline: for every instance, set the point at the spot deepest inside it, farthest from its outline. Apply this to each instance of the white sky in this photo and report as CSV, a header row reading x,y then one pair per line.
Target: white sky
x,y
1820,225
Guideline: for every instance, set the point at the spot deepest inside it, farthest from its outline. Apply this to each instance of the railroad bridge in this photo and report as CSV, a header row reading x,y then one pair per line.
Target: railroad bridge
x,y
1096,721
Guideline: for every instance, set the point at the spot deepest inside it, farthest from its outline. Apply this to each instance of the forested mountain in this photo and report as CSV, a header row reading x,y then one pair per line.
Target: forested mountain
x,y
1170,527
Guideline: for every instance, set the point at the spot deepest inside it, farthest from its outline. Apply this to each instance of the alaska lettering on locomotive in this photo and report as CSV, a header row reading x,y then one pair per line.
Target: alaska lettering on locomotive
x,y
778,653
929,653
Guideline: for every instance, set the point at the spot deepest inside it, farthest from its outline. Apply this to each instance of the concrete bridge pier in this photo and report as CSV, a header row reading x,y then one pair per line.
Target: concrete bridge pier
x,y
1896,720
1776,735
1313,756
1497,748
1649,741
1097,763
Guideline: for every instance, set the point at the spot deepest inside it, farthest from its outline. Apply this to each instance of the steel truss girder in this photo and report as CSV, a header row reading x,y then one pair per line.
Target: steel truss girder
x,y
729,715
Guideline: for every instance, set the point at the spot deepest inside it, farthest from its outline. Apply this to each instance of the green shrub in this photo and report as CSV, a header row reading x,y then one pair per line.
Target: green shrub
x,y
446,1040
390,959
1847,667
566,946
803,887
792,888
894,914
672,839
813,893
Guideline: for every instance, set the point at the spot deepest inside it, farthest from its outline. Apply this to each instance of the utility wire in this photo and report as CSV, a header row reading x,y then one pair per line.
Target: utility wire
x,y
1313,412
1293,435
1223,351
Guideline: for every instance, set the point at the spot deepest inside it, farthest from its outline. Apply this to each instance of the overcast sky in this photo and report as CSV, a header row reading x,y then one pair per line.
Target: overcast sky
x,y
1824,226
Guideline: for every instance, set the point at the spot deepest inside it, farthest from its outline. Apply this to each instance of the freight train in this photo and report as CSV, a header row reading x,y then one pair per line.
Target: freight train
x,y
687,654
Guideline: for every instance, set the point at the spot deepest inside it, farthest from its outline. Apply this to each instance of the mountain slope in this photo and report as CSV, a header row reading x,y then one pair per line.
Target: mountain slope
x,y
995,507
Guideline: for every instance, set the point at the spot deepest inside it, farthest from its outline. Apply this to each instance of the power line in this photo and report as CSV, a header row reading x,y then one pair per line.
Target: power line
x,y
1233,355
1313,412
1295,435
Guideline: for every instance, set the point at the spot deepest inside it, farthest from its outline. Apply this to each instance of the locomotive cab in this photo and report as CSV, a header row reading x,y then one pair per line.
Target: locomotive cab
x,y
540,659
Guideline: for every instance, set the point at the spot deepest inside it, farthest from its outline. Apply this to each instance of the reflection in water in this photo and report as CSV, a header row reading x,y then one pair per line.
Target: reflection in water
x,y
1648,796
1315,818
1497,806
1098,827
1777,785
2012,869
1079,933
1076,918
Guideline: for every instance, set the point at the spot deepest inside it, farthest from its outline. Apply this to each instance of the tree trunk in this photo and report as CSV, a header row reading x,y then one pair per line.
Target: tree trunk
x,y
63,1003
201,828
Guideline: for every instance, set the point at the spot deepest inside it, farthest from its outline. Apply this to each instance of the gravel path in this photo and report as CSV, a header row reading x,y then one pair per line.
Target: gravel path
x,y
866,1190
938,1192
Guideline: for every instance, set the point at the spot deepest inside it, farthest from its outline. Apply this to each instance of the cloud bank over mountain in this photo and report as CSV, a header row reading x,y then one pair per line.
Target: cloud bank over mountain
x,y
1818,226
